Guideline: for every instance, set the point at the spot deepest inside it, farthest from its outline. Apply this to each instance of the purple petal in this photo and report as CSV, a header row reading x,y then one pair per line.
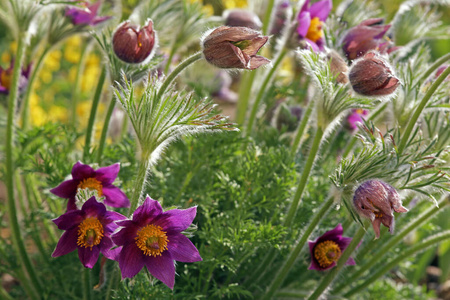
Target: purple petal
x,y
313,45
304,21
321,9
126,235
81,171
107,175
130,260
376,227
177,220
305,7
332,235
88,256
149,210
69,220
344,242
71,204
66,189
109,219
93,8
92,208
115,197
162,267
100,19
350,262
182,249
67,243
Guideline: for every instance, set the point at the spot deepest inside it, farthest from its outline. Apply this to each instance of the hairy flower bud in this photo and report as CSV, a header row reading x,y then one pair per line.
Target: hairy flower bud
x,y
234,47
134,45
242,18
377,201
364,37
372,76
338,66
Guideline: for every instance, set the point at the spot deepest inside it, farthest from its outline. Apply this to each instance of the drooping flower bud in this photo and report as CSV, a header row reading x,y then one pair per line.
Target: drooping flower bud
x,y
372,76
377,201
234,47
242,18
364,37
133,44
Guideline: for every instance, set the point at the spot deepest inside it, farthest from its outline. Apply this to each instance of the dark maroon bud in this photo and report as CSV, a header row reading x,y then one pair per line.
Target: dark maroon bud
x,y
234,47
372,76
338,66
366,36
242,18
133,44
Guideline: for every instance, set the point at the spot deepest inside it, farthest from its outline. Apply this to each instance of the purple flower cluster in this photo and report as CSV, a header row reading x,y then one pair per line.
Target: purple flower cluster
x,y
87,15
310,22
152,237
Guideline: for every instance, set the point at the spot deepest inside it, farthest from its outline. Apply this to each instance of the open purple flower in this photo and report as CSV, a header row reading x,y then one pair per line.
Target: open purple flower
x,y
85,177
310,22
357,116
87,15
377,201
153,239
88,230
6,78
328,248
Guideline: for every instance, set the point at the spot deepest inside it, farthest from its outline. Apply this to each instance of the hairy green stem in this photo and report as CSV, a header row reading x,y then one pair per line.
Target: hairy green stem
x,y
293,255
76,85
169,59
401,256
102,142
301,127
95,103
263,89
245,89
394,241
340,264
434,66
267,15
87,286
26,99
141,178
183,65
305,175
9,162
412,122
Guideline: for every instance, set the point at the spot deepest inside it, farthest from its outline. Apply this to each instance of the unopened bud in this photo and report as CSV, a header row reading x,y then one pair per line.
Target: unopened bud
x,y
234,47
372,76
133,44
377,201
242,18
338,66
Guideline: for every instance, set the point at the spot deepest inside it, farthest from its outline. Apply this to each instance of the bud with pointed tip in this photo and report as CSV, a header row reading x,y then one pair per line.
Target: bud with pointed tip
x,y
242,18
234,47
372,76
133,44
377,201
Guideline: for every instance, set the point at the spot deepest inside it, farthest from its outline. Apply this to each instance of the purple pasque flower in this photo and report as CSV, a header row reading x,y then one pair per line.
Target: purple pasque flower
x,y
85,177
310,22
328,248
6,78
87,15
357,116
153,239
377,201
89,231
366,36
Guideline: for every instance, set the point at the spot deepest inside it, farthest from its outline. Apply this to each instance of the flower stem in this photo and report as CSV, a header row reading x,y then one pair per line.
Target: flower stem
x,y
244,96
340,264
305,175
102,142
394,241
76,85
289,262
183,65
263,89
268,14
95,102
9,161
401,256
301,128
87,286
139,185
26,99
412,122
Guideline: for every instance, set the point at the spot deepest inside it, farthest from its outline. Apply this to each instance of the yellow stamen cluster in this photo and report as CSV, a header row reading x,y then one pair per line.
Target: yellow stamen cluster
x,y
152,240
90,232
92,184
315,30
326,253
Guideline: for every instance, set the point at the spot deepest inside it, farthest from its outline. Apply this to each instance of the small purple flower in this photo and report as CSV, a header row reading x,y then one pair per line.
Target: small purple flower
x,y
6,78
89,230
83,176
328,248
87,15
310,22
153,239
377,201
357,116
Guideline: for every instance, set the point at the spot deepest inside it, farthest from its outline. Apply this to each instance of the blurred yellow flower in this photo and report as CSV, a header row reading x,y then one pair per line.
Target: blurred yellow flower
x,y
6,57
72,50
91,73
208,9
230,4
38,114
52,62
